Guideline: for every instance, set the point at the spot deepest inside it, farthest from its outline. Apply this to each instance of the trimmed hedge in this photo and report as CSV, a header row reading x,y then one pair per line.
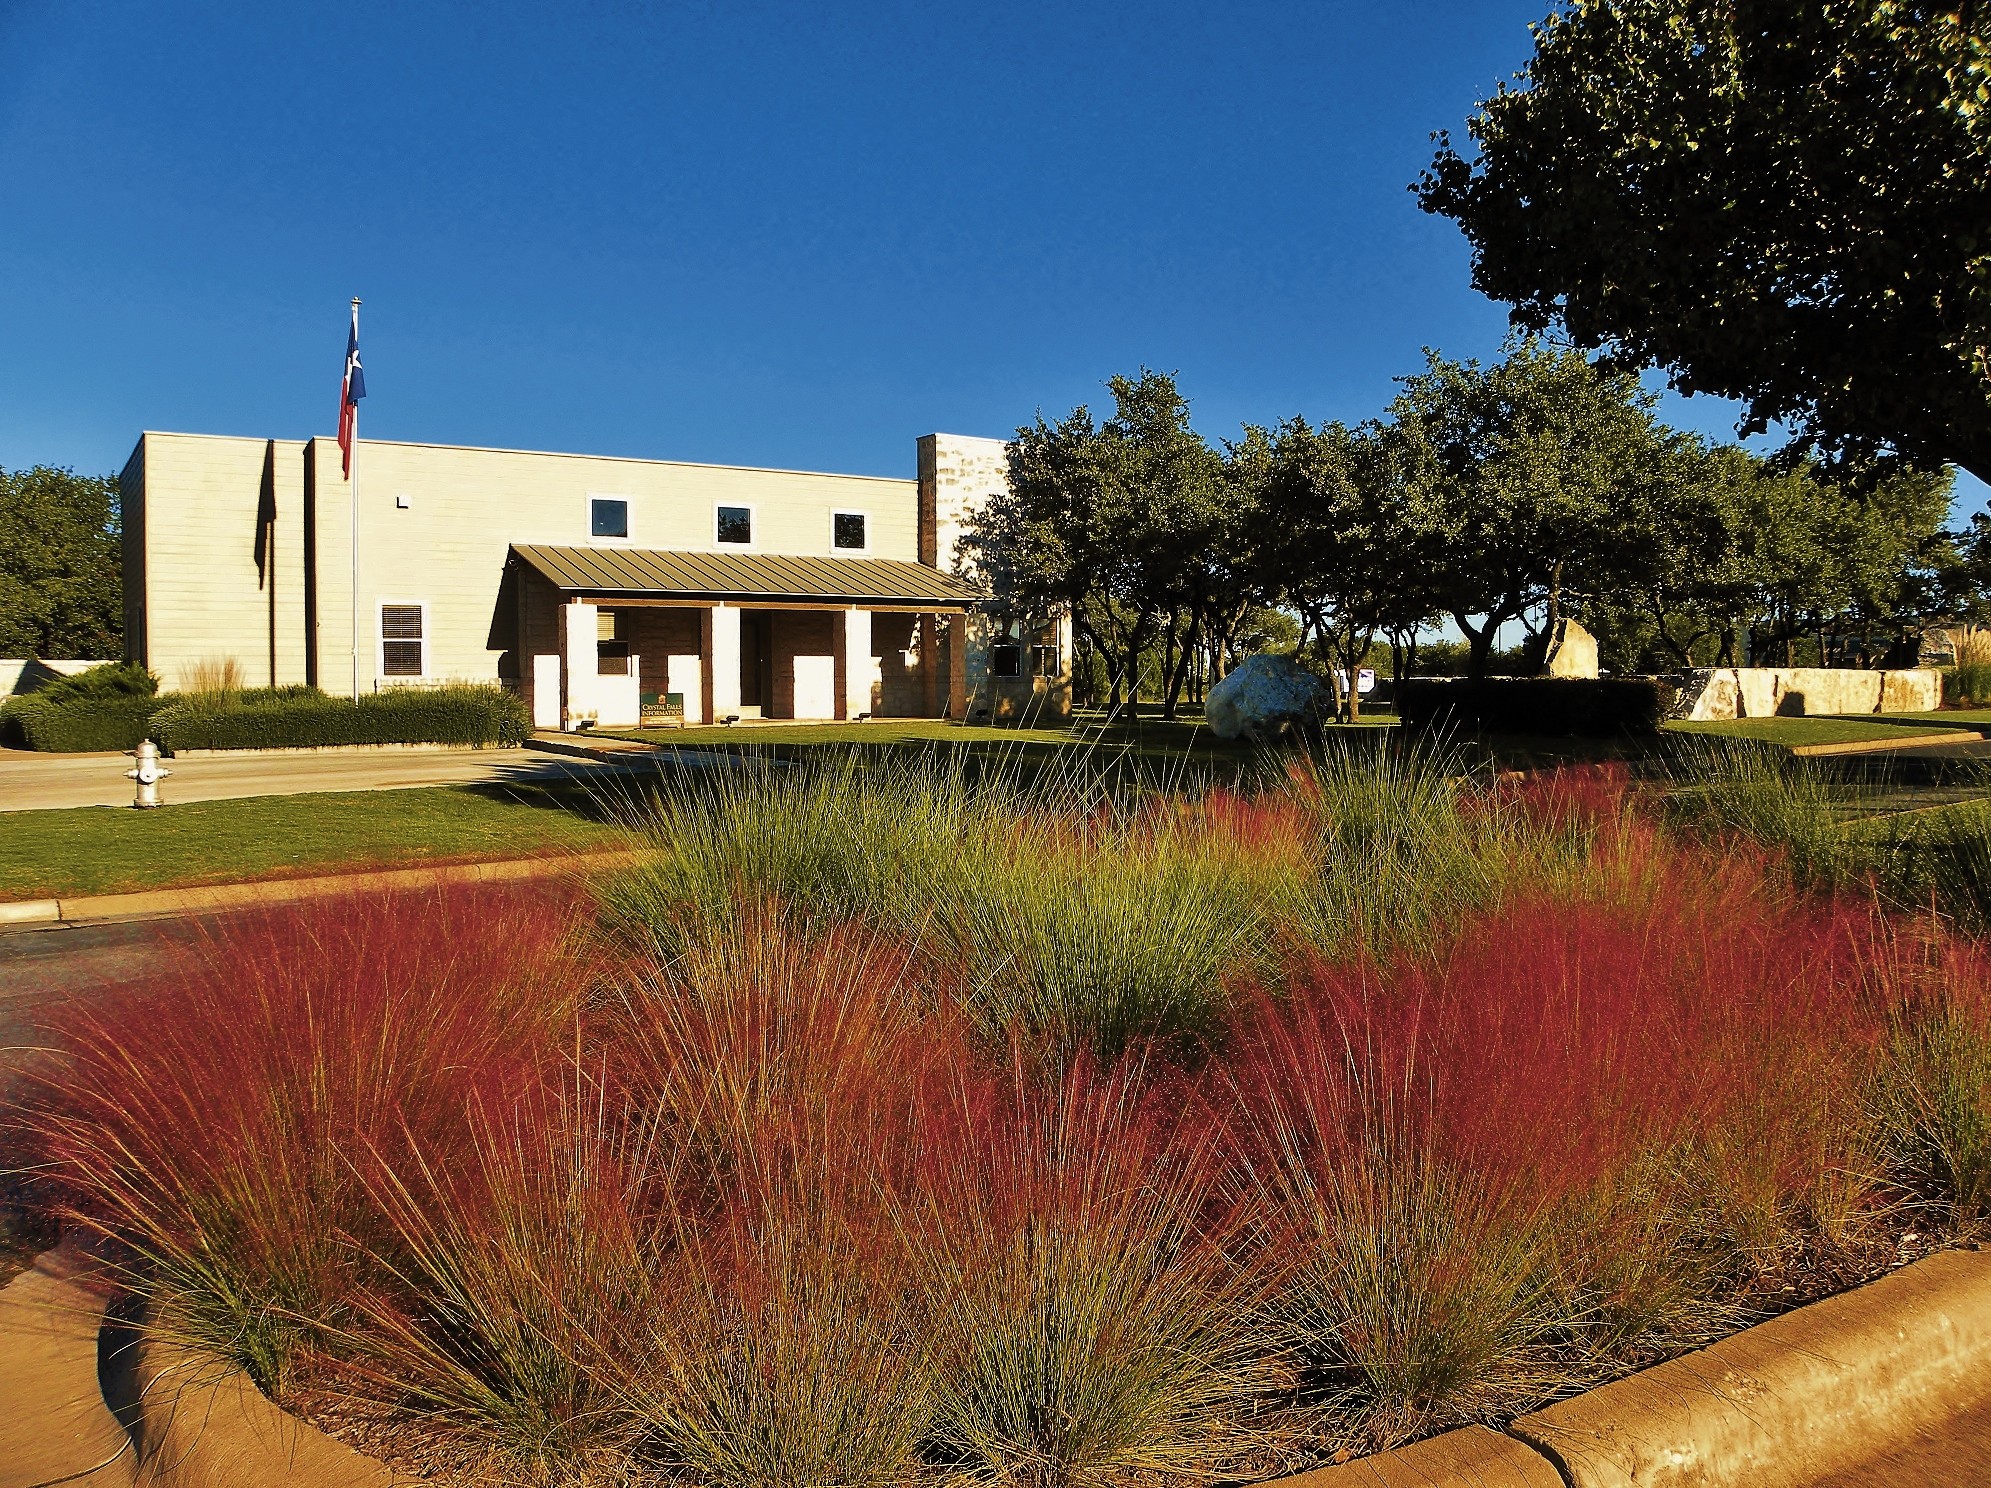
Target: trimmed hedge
x,y
1599,707
77,725
107,707
303,718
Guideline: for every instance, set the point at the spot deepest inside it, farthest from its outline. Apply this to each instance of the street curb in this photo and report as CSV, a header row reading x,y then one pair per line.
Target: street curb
x,y
160,903
55,1425
1471,1457
1888,746
1821,1390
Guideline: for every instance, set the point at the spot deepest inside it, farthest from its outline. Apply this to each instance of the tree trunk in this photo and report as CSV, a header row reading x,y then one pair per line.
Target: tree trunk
x,y
1478,643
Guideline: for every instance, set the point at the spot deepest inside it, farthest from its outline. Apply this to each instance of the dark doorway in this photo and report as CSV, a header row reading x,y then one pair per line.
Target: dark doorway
x,y
755,658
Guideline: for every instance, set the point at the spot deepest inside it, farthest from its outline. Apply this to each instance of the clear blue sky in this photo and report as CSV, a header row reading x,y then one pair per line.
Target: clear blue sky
x,y
769,234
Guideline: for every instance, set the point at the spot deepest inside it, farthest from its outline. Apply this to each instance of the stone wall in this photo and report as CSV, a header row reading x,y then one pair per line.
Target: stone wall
x,y
1766,692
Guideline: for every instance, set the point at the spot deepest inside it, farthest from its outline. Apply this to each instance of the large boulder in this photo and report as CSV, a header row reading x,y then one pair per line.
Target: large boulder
x,y
1572,651
1263,698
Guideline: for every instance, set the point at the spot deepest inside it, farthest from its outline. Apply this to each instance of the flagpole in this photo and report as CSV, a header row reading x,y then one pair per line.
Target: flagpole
x,y
355,486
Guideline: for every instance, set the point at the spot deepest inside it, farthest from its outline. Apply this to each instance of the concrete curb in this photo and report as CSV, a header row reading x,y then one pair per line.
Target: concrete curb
x,y
1884,746
1471,1457
217,898
279,751
1818,1391
196,1423
54,1424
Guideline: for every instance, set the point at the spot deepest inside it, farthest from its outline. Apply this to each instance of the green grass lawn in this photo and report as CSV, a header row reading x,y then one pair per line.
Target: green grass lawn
x,y
1151,740
1792,732
104,850
1964,718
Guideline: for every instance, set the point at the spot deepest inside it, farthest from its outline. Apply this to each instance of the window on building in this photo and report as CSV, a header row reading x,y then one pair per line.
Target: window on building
x,y
1044,661
401,640
735,525
610,516
611,658
1006,661
850,531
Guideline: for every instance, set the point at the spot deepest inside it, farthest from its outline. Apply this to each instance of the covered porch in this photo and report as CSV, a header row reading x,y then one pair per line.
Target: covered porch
x,y
620,637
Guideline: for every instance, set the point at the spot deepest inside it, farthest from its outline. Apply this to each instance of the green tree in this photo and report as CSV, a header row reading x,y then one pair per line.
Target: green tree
x,y
1532,468
1349,546
1779,202
1130,523
61,565
1734,546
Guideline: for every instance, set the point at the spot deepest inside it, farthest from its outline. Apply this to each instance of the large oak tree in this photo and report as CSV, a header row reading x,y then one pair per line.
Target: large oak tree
x,y
1786,202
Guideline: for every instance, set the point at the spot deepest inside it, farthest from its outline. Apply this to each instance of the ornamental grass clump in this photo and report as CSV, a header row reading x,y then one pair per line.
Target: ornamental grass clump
x,y
209,1119
1934,1087
1096,1320
835,837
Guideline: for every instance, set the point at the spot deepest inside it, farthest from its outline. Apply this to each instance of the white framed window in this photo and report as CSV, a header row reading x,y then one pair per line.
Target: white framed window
x,y
850,532
733,524
404,639
608,516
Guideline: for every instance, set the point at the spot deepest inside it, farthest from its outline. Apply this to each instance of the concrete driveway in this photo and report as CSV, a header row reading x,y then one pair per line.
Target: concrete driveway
x,y
33,782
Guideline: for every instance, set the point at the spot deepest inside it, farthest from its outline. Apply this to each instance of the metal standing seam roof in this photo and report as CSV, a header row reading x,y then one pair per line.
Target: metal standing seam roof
x,y
746,576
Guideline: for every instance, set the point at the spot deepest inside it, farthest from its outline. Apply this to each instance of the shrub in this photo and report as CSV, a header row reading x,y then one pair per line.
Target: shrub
x,y
1599,707
299,718
1968,684
104,708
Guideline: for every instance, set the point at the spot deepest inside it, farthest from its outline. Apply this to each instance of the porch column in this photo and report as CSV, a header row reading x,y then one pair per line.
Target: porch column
x,y
929,666
579,632
720,651
957,666
854,670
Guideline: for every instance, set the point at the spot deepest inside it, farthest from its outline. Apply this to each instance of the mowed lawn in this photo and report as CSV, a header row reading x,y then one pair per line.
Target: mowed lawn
x,y
1155,740
1834,729
106,850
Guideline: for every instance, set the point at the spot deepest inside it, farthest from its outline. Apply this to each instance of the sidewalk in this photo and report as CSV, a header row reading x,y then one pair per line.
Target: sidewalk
x,y
36,782
219,898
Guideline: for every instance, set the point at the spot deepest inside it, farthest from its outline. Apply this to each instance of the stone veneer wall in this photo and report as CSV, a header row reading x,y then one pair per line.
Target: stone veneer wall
x,y
1765,692
957,473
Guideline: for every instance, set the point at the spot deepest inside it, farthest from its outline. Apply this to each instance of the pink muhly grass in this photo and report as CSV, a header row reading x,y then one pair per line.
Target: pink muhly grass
x,y
1095,1316
518,1281
1458,1158
207,1119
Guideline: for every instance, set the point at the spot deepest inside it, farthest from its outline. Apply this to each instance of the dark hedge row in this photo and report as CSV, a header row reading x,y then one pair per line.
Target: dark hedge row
x,y
1599,707
301,718
77,725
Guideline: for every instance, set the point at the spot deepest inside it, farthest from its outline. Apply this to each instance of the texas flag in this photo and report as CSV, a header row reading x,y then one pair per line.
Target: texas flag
x,y
350,392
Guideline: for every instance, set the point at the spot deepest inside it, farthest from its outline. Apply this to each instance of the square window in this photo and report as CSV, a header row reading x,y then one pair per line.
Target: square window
x,y
610,517
847,530
1043,661
735,524
1005,661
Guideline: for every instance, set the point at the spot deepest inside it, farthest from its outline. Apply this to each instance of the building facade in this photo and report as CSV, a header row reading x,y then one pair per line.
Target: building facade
x,y
609,592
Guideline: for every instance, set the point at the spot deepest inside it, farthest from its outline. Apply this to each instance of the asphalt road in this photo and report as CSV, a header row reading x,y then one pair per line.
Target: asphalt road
x,y
31,782
43,968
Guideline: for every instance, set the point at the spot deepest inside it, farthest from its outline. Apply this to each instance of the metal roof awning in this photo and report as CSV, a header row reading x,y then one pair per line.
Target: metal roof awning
x,y
745,577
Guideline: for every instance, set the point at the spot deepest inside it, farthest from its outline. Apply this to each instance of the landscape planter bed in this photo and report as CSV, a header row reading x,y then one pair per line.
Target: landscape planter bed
x,y
883,1127
1821,1390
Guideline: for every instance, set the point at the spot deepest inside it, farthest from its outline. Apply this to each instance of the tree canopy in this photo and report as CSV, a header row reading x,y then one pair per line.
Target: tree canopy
x,y
1538,486
1778,202
61,565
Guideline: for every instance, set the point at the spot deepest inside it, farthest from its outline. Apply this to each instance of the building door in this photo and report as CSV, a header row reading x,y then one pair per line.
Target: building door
x,y
815,687
753,661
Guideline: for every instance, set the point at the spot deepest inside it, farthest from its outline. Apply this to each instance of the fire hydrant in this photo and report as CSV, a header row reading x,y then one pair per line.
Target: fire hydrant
x,y
148,774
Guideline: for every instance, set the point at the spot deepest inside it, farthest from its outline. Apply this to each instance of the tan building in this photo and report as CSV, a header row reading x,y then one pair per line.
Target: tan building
x,y
608,591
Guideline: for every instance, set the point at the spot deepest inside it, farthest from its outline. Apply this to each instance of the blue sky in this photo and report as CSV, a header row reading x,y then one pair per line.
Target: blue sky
x,y
767,234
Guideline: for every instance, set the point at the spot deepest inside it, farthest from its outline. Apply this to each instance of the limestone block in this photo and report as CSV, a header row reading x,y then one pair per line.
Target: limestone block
x,y
1265,695
1765,692
1572,651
